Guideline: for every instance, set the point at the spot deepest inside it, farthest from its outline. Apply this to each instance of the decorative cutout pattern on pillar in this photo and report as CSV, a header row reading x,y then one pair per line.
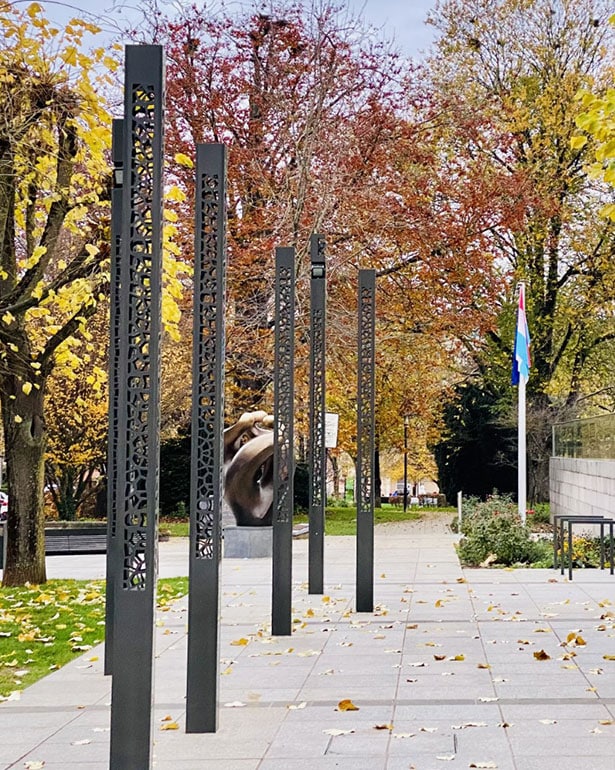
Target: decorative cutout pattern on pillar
x,y
140,340
284,407
209,351
283,442
115,449
366,440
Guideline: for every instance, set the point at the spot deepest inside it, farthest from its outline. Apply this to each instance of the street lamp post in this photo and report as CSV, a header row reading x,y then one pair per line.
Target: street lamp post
x,y
405,463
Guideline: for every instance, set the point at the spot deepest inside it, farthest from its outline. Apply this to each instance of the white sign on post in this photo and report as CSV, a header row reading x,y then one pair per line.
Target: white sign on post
x,y
331,423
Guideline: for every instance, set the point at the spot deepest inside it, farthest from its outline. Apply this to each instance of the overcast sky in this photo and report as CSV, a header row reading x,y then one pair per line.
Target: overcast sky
x,y
401,19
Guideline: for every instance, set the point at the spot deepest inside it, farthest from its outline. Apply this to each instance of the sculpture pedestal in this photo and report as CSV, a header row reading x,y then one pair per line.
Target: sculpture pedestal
x,y
248,542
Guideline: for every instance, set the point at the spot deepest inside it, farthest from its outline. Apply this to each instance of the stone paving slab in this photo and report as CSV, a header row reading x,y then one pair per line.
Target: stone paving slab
x,y
443,672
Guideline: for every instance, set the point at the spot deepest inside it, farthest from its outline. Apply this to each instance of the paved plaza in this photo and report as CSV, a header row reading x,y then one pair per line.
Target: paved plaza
x,y
455,668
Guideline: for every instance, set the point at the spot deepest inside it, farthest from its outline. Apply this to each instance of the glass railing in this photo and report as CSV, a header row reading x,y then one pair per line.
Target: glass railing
x,y
593,438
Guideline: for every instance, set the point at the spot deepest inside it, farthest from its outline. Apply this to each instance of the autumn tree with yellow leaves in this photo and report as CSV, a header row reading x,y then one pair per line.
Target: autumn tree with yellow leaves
x,y
54,231
76,409
518,66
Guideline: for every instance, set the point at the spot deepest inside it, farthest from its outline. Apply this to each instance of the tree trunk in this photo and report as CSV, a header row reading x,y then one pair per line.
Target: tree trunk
x,y
67,502
335,467
24,439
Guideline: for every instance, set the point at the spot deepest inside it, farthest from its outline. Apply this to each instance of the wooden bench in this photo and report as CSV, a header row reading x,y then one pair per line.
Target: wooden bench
x,y
85,539
63,541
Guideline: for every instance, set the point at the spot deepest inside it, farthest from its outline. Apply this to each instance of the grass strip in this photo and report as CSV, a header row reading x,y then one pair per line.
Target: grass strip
x,y
339,520
44,627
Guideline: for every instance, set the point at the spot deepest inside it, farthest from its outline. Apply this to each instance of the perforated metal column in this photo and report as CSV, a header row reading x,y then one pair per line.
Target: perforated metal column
x,y
113,445
283,457
139,409
317,454
365,441
207,439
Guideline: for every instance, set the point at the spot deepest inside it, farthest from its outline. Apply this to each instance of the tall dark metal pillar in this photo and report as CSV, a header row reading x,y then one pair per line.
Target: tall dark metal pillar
x,y
283,443
405,463
139,413
114,446
317,455
365,441
207,440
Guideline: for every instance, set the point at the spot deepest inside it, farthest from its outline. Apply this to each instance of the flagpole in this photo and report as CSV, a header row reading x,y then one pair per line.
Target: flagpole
x,y
521,371
522,454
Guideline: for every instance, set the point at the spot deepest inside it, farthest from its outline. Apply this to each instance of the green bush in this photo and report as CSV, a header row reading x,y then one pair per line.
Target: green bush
x,y
586,550
540,514
301,487
174,475
493,532
339,502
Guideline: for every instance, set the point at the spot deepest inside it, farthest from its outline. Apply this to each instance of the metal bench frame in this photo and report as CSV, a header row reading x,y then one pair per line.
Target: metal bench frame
x,y
562,520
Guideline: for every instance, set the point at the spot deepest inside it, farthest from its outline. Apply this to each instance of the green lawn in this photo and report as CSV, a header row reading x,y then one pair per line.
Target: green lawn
x,y
44,627
338,520
343,521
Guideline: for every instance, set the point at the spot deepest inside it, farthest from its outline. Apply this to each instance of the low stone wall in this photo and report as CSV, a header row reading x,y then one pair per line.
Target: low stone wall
x,y
581,487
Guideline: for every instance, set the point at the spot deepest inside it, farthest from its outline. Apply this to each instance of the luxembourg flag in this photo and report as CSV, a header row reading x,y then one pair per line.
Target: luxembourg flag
x,y
521,353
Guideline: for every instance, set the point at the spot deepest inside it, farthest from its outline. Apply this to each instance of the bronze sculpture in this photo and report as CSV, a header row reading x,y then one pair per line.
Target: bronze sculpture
x,y
248,469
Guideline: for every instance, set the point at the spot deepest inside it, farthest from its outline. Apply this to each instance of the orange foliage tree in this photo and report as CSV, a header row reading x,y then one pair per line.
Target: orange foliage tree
x,y
327,133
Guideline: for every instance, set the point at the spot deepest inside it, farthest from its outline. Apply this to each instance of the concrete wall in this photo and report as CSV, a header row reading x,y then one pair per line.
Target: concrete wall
x,y
582,487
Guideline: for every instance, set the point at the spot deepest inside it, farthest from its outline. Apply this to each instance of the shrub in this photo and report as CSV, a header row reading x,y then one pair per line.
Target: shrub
x,y
174,474
586,550
540,513
301,487
493,531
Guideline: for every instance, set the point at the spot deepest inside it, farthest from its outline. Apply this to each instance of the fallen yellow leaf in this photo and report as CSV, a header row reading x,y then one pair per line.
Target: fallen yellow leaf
x,y
169,726
542,655
240,642
347,705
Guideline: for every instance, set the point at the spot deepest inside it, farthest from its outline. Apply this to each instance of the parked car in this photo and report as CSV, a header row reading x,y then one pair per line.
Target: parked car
x,y
4,506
